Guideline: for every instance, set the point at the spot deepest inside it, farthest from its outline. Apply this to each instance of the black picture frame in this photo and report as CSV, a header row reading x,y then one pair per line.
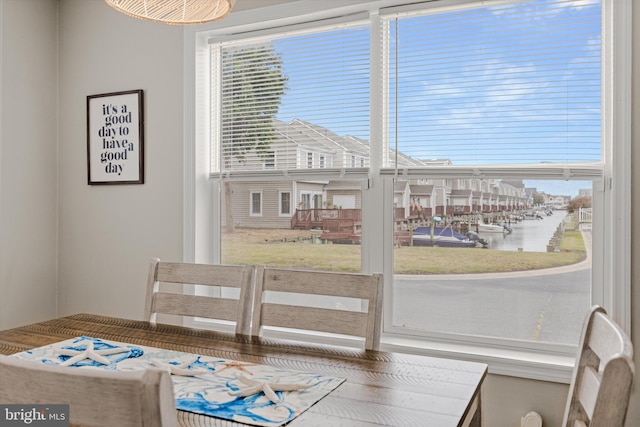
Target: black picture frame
x,y
115,138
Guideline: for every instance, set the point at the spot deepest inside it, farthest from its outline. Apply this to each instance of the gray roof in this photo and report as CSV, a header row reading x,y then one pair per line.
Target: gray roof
x,y
321,139
421,189
400,185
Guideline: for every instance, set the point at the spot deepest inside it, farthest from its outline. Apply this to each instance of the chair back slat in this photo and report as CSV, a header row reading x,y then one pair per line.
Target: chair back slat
x,y
139,398
318,283
196,306
315,319
202,274
607,340
588,392
602,378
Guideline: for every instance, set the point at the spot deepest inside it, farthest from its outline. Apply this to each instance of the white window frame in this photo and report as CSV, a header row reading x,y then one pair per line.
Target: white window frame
x,y
306,195
201,194
269,162
251,195
280,212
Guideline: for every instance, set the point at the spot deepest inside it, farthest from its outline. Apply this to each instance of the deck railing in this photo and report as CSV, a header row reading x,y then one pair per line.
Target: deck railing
x,y
585,215
313,218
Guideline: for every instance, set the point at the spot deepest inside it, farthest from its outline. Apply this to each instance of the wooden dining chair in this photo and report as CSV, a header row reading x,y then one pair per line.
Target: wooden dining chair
x,y
138,398
277,310
603,374
218,303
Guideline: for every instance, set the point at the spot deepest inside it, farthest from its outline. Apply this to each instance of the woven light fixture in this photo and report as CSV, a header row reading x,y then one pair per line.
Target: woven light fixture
x,y
178,12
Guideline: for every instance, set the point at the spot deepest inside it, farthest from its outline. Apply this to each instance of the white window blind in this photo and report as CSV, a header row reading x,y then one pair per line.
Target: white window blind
x,y
517,83
292,94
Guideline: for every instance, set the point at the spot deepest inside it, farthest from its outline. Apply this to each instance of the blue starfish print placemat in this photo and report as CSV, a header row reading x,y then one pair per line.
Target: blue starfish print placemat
x,y
253,394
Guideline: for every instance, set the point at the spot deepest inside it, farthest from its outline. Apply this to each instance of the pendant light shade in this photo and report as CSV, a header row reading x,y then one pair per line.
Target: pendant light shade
x,y
178,12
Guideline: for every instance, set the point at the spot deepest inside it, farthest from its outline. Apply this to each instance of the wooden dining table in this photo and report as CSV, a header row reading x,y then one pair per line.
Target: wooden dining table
x,y
381,388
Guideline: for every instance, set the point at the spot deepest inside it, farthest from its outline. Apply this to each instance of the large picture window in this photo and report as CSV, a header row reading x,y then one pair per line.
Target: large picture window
x,y
517,87
463,151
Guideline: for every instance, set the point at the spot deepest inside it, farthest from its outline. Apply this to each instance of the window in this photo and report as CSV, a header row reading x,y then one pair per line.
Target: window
x,y
526,91
285,203
507,89
305,200
322,162
483,126
270,160
255,203
274,95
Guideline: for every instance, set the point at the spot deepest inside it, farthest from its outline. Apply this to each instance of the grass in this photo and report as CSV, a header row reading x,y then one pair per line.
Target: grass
x,y
417,260
293,248
572,242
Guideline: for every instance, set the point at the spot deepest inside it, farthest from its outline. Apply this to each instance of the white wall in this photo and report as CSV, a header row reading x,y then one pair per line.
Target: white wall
x,y
28,161
107,234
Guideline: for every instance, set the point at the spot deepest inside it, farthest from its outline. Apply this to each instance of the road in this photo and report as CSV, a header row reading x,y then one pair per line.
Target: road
x,y
544,305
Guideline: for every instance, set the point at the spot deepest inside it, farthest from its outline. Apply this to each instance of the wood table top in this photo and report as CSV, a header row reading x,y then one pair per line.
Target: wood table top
x,y
381,388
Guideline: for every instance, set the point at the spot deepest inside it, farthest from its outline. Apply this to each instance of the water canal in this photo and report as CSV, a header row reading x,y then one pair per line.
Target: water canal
x,y
532,235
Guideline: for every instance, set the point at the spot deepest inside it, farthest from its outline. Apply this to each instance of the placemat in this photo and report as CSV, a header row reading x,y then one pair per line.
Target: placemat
x,y
253,394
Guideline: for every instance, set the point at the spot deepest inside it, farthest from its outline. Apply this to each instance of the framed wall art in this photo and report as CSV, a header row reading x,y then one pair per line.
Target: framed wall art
x,y
115,138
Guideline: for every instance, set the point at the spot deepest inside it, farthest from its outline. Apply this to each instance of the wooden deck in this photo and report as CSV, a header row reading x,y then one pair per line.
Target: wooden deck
x,y
346,231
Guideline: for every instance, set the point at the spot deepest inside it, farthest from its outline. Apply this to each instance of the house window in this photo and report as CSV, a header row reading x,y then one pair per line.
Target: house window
x,y
321,160
305,201
513,97
255,203
270,160
285,203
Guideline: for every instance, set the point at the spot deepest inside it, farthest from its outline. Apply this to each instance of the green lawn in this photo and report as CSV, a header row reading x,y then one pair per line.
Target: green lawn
x,y
290,248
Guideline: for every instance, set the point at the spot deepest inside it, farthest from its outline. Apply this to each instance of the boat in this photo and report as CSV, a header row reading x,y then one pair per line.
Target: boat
x,y
445,237
532,215
493,228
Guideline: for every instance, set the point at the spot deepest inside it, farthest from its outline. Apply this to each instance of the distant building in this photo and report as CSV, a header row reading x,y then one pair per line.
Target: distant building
x,y
281,203
557,202
585,192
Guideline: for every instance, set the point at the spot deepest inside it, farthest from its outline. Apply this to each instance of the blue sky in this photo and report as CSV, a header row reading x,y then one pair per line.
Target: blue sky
x,y
559,188
485,89
474,86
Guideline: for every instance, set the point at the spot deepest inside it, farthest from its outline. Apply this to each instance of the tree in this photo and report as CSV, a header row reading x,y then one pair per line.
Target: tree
x,y
579,202
252,87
